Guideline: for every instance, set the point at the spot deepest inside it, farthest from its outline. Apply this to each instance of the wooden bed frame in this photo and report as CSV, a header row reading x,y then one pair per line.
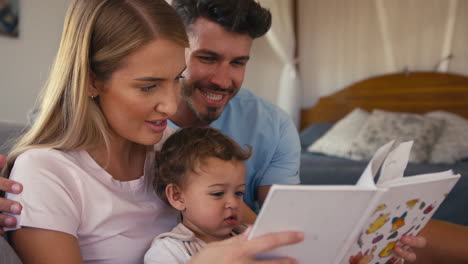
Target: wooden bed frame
x,y
415,92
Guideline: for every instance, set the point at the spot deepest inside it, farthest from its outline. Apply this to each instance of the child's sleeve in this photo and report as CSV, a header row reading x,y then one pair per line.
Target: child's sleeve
x,y
166,250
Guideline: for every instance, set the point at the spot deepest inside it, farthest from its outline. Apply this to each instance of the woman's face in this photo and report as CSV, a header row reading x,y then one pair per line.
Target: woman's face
x,y
142,94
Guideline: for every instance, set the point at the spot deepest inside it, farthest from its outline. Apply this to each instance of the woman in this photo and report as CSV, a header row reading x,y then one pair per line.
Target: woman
x,y
85,165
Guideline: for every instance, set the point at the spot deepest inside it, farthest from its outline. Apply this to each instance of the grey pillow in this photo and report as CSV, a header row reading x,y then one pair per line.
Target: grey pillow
x,y
452,144
382,127
337,140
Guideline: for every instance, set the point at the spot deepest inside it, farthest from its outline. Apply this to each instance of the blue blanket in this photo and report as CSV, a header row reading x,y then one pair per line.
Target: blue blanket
x,y
322,169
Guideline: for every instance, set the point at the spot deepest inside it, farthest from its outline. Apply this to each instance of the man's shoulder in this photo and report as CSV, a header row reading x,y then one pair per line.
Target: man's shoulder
x,y
247,96
247,102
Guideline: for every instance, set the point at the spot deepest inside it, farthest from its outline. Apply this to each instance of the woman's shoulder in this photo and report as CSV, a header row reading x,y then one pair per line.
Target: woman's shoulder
x,y
42,155
46,159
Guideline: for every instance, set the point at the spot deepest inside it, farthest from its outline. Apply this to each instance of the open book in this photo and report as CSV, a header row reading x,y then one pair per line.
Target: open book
x,y
352,223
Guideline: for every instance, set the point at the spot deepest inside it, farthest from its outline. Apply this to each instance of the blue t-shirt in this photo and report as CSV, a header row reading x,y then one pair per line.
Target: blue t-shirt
x,y
248,119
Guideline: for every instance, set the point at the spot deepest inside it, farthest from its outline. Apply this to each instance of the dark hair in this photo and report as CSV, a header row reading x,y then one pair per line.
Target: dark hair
x,y
239,16
186,149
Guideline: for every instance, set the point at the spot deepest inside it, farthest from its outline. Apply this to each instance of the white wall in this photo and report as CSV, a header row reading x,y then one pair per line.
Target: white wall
x,y
342,42
25,61
263,71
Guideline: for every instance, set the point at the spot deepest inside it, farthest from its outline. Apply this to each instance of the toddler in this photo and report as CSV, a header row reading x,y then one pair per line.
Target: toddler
x,y
201,173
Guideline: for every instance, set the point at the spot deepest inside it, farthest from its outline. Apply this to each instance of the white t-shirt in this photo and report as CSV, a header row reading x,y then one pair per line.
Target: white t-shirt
x,y
68,191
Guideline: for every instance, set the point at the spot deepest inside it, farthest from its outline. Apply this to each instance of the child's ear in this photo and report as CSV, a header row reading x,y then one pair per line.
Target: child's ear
x,y
175,196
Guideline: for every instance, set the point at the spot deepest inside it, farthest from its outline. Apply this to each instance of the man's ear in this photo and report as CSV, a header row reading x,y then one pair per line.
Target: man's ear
x,y
175,196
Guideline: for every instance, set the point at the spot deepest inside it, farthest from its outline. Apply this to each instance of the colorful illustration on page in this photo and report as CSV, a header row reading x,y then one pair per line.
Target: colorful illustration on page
x,y
388,223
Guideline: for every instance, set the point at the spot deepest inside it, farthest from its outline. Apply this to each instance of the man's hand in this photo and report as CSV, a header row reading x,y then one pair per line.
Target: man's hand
x,y
410,243
446,243
8,206
2,161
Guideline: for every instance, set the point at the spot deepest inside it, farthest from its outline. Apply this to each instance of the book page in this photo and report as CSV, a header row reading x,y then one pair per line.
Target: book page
x,y
403,209
395,164
326,214
367,177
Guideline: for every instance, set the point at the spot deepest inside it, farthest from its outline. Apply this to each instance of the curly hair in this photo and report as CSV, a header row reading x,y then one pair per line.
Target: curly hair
x,y
186,149
239,16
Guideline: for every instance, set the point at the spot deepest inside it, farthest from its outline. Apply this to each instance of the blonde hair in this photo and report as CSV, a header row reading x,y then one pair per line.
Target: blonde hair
x,y
97,36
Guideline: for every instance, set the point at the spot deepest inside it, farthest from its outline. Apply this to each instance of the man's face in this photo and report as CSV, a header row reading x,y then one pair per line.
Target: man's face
x,y
216,62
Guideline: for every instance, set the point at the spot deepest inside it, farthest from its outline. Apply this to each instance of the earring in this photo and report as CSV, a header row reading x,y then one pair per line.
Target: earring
x,y
92,97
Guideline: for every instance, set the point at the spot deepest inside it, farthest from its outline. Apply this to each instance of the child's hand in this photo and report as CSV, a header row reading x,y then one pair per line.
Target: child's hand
x,y
405,252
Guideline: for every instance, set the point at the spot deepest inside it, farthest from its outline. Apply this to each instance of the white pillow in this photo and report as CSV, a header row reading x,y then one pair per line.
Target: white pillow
x,y
382,127
337,140
452,144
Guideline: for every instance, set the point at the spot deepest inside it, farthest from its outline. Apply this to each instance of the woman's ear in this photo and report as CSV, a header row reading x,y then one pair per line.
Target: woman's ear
x,y
175,196
95,85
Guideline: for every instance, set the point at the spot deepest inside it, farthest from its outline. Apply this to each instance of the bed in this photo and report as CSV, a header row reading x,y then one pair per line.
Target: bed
x,y
418,93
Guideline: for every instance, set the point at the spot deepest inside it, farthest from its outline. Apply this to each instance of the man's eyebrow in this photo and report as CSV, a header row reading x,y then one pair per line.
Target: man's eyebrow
x,y
149,79
242,58
212,53
209,52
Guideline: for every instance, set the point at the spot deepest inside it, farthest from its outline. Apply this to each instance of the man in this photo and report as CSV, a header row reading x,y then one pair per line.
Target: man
x,y
221,35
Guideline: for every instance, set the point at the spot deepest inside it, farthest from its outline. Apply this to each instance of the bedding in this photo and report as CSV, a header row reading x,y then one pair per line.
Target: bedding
x,y
440,101
384,126
338,139
452,144
324,169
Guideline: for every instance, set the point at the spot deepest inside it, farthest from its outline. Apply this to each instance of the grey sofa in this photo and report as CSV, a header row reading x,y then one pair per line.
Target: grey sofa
x,y
7,255
8,131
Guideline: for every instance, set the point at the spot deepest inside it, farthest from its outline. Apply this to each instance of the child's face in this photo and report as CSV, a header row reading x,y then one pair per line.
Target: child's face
x,y
213,198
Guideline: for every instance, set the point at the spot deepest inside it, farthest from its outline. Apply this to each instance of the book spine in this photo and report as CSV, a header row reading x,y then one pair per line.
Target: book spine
x,y
353,236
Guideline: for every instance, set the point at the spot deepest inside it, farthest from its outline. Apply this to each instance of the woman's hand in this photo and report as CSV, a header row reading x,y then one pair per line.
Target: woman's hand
x,y
239,250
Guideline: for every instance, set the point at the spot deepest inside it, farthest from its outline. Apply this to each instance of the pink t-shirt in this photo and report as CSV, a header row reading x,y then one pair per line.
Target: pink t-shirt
x,y
68,191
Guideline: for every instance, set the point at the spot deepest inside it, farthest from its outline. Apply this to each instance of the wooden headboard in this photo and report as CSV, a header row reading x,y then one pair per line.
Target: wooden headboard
x,y
416,92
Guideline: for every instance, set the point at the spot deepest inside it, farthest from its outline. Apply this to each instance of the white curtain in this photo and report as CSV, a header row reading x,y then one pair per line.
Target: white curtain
x,y
342,42
282,39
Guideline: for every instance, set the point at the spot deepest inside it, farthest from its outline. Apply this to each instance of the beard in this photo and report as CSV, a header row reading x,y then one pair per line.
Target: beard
x,y
212,112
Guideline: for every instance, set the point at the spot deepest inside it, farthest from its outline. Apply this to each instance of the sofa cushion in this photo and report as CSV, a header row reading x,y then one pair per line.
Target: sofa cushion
x,y
8,132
